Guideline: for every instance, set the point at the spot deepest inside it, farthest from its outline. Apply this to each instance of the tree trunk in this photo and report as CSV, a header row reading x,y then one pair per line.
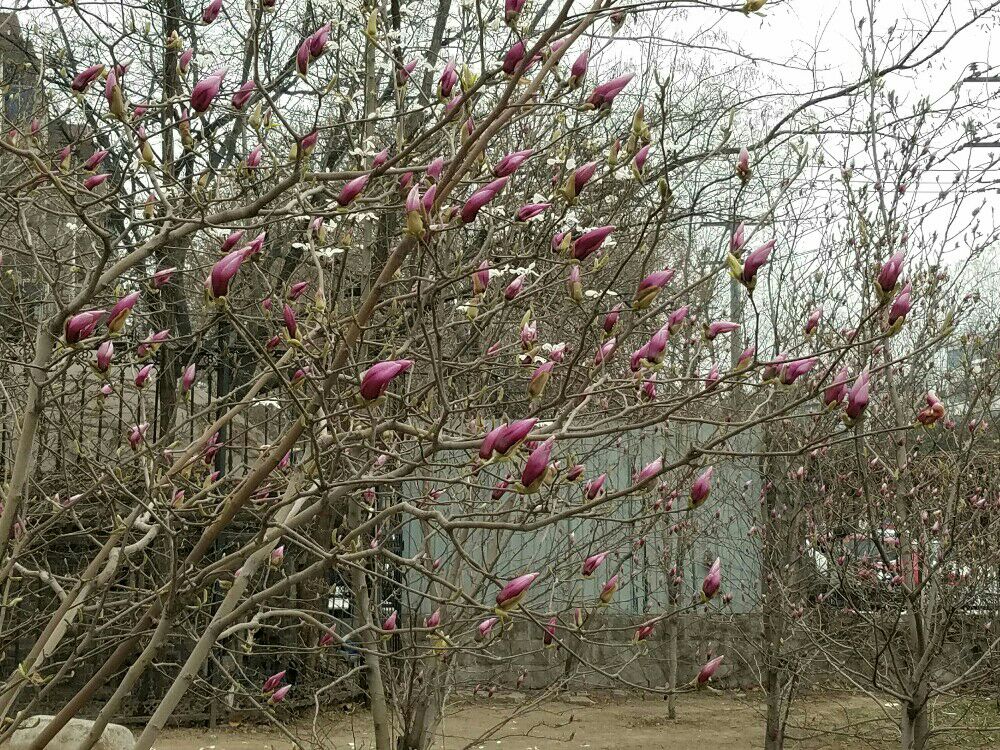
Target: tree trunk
x,y
914,726
423,719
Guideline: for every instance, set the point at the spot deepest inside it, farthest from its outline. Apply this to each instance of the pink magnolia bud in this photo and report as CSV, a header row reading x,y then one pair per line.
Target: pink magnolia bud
x,y
708,670
608,591
888,275
480,198
317,230
514,288
648,389
574,284
509,164
650,287
308,142
162,277
813,321
232,241
403,74
549,632
318,40
211,11
644,631
900,307
575,472
512,9
738,240
536,467
484,628
95,160
447,81
713,581
837,390
142,376
604,94
481,278
514,57
579,179
291,322
933,412
105,352
217,283
540,378
427,202
530,211
773,369
529,334
649,472
278,555
857,398
63,158
352,190
718,327
611,319
184,61
701,488
588,242
255,157
592,563
512,593
279,695
137,434
500,489
326,639
434,620
746,358
272,682
713,377
512,435
152,342
747,274
595,487
120,312
375,381
256,245
95,181
639,160
302,57
796,369
205,91
297,289
605,350
243,94
84,78
578,71
188,377
743,164
82,325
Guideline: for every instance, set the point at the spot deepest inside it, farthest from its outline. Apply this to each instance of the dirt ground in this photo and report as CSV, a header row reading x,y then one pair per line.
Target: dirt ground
x,y
721,721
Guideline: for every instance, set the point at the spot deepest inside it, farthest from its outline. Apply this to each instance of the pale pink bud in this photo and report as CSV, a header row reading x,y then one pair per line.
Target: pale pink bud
x,y
105,352
188,377
593,562
701,487
708,670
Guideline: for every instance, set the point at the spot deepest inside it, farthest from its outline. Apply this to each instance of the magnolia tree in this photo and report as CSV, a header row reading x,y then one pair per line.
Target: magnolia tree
x,y
875,543
342,345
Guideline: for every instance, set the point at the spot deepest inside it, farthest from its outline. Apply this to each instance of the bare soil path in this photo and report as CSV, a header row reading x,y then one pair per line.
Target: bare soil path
x,y
721,721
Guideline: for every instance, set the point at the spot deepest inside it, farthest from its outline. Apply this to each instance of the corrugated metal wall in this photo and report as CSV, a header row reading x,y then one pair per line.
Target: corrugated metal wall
x,y
559,549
